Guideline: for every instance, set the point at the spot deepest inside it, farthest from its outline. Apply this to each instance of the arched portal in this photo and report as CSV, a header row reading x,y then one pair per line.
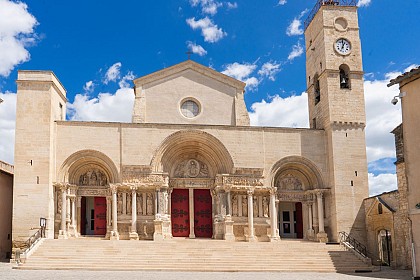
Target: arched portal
x,y
299,185
192,159
85,177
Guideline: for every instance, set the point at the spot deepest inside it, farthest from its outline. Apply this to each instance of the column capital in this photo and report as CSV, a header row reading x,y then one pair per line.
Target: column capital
x,y
250,191
319,193
113,188
273,191
133,189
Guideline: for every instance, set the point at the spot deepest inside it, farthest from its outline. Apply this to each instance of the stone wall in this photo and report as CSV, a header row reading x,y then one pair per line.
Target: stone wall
x,y
6,206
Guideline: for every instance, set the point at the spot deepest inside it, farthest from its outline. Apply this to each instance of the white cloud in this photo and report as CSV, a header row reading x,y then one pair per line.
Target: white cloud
x,y
291,111
7,126
231,5
113,73
89,87
381,117
269,70
116,107
295,27
209,30
364,3
16,33
282,2
207,6
297,50
242,72
197,49
125,81
382,183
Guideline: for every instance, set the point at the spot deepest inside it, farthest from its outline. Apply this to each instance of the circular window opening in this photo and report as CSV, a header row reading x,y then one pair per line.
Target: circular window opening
x,y
341,24
190,109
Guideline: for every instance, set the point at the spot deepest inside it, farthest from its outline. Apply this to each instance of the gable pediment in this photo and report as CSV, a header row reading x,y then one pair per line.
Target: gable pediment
x,y
177,69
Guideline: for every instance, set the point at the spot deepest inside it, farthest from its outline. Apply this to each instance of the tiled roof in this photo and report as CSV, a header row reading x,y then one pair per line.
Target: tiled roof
x,y
404,76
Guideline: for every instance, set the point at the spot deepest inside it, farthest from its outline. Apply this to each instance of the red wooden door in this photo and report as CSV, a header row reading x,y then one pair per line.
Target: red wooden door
x,y
180,213
100,215
203,224
299,220
83,221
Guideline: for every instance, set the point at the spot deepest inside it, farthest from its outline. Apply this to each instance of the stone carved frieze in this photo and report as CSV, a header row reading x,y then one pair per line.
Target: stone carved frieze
x,y
93,192
239,181
191,168
289,183
146,179
191,182
94,177
294,196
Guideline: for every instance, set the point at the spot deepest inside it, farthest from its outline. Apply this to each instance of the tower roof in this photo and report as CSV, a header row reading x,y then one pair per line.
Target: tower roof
x,y
321,3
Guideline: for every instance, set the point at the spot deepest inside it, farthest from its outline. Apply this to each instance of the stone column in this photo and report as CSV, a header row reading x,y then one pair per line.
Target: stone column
x,y
229,203
63,229
251,236
228,230
73,226
322,236
133,233
273,215
240,205
191,211
68,208
114,233
108,216
310,225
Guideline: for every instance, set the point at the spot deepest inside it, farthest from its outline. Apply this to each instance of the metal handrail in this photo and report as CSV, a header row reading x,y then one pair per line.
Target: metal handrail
x,y
345,238
321,3
30,243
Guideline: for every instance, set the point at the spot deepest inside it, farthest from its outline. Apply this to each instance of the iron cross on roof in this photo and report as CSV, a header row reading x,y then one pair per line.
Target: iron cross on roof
x,y
189,53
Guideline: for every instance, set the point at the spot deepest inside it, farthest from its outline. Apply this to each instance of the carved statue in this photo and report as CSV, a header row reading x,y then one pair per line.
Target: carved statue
x,y
93,177
149,204
139,204
119,203
191,168
58,203
289,183
245,206
255,205
234,205
128,203
265,206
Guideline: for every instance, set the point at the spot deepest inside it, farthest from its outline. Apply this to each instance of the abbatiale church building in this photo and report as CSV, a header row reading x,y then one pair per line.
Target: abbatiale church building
x,y
190,165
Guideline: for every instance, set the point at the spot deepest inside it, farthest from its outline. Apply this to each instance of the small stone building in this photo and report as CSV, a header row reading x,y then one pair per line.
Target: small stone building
x,y
6,205
388,229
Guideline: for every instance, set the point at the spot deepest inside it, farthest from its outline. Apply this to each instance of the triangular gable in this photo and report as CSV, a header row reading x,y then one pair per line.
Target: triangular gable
x,y
189,64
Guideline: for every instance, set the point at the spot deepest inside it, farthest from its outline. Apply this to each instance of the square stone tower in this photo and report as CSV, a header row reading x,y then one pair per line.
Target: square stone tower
x,y
41,100
336,104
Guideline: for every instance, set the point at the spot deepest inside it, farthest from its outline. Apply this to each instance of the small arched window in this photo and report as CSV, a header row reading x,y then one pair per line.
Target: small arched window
x,y
344,76
380,209
317,89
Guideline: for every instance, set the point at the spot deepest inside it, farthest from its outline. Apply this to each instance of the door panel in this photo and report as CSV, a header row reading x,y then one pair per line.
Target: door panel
x,y
100,216
83,221
180,213
203,224
299,220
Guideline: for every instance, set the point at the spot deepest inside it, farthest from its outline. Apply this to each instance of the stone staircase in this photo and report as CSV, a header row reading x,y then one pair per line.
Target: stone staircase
x,y
192,255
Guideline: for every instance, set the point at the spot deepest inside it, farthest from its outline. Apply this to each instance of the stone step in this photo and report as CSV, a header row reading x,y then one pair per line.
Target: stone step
x,y
191,255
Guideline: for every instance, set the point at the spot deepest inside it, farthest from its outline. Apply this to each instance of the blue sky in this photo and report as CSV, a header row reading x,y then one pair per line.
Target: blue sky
x,y
96,47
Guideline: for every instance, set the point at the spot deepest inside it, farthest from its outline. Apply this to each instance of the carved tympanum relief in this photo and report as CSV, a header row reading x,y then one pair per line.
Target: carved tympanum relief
x,y
289,183
94,177
191,168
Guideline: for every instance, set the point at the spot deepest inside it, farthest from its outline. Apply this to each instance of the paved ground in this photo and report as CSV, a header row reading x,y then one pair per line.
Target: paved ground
x,y
6,272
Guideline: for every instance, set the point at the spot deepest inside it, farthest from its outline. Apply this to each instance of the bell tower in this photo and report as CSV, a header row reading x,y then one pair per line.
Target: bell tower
x,y
334,75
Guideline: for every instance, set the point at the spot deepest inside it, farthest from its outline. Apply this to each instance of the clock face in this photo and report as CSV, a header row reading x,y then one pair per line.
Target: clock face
x,y
342,46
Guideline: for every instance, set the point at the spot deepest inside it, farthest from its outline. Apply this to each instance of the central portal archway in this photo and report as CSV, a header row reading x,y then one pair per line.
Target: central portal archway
x,y
192,159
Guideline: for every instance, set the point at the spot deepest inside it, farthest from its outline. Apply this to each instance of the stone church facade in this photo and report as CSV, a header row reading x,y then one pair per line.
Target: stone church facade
x,y
190,165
